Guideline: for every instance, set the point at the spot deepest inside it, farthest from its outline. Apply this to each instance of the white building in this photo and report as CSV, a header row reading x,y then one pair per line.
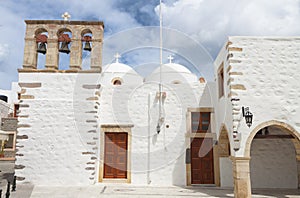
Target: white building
x,y
79,127
8,110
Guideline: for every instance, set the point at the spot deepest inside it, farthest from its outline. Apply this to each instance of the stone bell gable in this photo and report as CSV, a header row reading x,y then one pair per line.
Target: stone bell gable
x,y
57,119
52,33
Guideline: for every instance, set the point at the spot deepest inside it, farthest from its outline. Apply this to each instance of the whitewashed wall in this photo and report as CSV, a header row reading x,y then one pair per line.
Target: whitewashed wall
x,y
129,104
262,73
56,129
12,98
270,68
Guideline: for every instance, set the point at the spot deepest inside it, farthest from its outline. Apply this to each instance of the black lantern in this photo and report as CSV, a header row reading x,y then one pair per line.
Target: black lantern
x,y
248,116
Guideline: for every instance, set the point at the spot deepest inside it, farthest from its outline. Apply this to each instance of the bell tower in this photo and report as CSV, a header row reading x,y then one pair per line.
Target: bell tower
x,y
59,102
51,37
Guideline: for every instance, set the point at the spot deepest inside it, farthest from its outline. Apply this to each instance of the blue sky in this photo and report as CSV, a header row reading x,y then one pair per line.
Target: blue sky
x,y
207,22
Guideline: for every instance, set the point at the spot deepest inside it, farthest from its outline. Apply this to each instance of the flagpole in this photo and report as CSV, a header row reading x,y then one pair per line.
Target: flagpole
x,y
160,66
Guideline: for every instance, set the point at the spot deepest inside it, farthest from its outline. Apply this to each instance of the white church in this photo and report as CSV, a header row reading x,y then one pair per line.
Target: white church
x,y
108,124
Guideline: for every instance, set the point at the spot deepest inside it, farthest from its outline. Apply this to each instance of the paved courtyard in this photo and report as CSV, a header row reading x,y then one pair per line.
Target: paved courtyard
x,y
125,190
122,191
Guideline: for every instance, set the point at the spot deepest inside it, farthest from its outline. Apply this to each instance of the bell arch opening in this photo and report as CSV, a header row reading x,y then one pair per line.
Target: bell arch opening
x,y
41,36
64,46
86,48
273,147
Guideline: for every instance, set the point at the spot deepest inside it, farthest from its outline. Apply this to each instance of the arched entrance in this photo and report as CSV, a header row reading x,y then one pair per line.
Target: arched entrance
x,y
274,150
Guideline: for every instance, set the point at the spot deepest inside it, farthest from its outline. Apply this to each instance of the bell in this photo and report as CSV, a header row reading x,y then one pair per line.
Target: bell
x,y
87,46
64,48
42,48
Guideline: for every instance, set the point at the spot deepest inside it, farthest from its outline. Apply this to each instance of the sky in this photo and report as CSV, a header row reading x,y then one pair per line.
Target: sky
x,y
208,23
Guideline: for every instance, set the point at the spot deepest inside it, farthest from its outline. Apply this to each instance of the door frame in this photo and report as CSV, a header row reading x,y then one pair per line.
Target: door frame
x,y
115,128
189,136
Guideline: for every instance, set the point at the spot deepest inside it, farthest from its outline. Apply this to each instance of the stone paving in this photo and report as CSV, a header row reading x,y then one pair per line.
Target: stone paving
x,y
123,191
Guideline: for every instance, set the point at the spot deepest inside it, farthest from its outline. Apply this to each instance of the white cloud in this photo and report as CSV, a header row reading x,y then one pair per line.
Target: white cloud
x,y
4,51
211,21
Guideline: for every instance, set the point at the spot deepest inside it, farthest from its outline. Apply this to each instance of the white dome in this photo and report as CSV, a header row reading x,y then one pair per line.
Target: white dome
x,y
171,68
119,71
118,68
172,73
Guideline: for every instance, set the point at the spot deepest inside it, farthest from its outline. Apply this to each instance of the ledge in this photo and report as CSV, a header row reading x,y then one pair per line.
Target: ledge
x,y
117,125
58,71
7,159
62,22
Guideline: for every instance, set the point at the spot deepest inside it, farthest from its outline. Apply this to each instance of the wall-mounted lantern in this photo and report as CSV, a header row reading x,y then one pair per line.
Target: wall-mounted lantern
x,y
248,116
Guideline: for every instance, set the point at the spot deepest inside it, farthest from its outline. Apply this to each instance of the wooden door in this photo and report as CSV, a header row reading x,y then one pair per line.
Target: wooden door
x,y
202,163
115,155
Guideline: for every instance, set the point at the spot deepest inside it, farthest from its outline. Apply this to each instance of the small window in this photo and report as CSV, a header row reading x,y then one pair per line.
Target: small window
x,y
176,82
117,81
200,122
10,143
221,81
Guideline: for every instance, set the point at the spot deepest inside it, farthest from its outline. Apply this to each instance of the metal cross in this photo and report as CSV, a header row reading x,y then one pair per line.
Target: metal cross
x,y
117,56
170,57
66,16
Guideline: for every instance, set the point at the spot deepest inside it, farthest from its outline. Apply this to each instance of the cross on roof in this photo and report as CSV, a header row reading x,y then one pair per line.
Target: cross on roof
x,y
66,16
170,57
117,56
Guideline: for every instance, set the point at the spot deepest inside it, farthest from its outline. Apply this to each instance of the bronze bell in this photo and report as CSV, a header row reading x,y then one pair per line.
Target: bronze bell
x,y
64,48
87,46
42,48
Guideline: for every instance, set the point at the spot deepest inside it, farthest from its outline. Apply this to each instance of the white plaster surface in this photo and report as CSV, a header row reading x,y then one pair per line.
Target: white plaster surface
x,y
270,71
273,164
57,133
130,104
226,177
12,98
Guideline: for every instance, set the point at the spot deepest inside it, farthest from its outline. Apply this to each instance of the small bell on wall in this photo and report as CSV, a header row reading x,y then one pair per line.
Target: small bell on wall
x,y
87,46
64,48
41,40
64,39
42,48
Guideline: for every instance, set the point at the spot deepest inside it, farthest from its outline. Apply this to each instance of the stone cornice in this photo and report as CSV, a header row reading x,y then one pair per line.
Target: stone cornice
x,y
61,22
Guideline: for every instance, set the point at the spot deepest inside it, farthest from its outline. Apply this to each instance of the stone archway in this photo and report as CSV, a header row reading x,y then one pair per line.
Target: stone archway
x,y
266,163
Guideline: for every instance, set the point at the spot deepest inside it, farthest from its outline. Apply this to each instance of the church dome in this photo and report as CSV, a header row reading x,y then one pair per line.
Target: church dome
x,y
172,73
119,74
118,68
172,68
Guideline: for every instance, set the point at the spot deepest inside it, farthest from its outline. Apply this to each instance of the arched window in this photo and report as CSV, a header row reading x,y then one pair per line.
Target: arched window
x,y
117,81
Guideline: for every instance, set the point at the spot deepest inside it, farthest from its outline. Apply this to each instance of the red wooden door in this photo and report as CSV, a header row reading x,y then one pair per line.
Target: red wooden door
x,y
202,163
115,155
